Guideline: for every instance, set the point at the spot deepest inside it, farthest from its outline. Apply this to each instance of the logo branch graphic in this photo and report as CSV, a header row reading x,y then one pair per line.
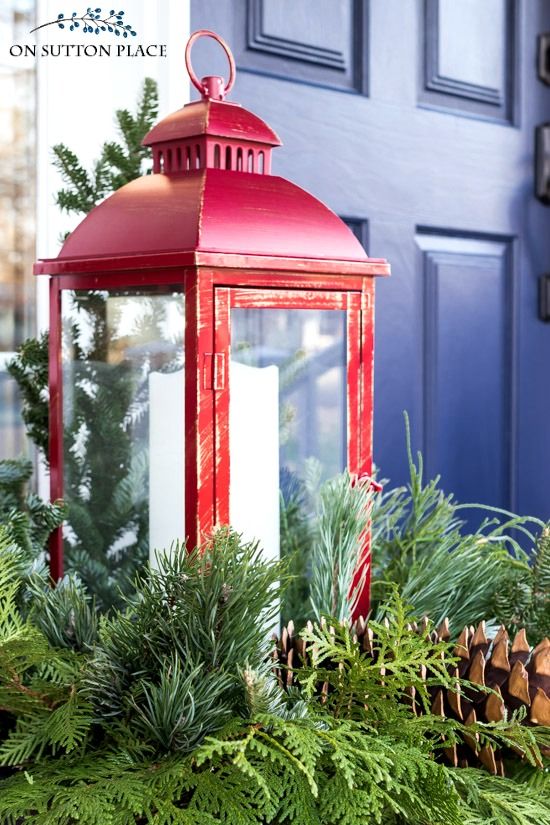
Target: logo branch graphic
x,y
93,21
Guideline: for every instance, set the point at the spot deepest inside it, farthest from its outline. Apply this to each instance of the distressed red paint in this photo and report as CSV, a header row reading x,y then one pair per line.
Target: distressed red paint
x,y
228,237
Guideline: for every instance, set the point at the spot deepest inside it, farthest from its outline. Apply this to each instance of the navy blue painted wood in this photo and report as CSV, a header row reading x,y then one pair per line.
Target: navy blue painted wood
x,y
435,152
468,367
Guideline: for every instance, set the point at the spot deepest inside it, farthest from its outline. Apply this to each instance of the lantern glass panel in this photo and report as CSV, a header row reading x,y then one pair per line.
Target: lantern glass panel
x,y
287,410
123,420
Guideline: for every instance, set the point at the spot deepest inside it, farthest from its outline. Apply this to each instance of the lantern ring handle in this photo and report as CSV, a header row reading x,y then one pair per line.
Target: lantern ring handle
x,y
200,84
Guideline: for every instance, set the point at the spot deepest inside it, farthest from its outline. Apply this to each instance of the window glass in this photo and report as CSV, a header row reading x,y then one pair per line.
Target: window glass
x,y
17,210
287,411
123,420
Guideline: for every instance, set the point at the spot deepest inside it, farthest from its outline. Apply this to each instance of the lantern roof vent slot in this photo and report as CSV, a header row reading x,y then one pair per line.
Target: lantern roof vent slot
x,y
211,133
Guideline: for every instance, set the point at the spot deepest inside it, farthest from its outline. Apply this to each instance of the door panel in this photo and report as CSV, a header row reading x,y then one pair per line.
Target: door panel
x,y
470,56
468,363
438,159
325,43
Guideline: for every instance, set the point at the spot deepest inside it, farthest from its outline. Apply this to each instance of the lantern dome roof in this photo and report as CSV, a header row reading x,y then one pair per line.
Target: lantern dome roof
x,y
213,210
211,191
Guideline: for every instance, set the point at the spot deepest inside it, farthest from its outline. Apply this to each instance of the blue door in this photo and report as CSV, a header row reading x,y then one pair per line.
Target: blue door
x,y
414,120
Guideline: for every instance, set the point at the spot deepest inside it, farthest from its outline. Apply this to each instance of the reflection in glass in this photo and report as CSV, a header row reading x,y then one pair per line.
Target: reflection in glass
x,y
123,431
287,408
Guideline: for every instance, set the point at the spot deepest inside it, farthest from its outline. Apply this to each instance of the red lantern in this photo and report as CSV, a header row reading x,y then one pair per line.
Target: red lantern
x,y
232,310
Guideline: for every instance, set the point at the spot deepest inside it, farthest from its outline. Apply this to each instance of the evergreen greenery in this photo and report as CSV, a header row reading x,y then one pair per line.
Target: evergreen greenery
x,y
295,543
377,687
170,668
323,528
107,524
118,163
66,614
40,708
340,527
126,732
420,542
166,710
26,519
29,368
106,539
522,598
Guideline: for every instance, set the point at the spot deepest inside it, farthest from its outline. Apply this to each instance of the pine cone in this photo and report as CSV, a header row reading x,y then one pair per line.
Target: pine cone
x,y
518,675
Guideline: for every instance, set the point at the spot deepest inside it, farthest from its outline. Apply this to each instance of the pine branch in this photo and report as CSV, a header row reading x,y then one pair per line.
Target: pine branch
x,y
65,614
117,164
29,368
182,705
419,542
198,621
82,196
341,524
26,519
147,109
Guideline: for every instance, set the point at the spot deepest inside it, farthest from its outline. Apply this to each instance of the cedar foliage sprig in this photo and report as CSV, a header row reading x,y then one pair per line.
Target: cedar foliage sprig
x,y
488,799
409,662
377,688
269,771
259,774
40,708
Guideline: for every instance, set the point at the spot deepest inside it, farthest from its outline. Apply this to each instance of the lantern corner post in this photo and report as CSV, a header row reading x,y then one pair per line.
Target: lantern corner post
x,y
55,422
361,404
199,407
366,429
220,396
191,390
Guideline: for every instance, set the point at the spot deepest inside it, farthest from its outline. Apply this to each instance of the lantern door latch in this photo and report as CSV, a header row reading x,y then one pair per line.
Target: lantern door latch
x,y
213,371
